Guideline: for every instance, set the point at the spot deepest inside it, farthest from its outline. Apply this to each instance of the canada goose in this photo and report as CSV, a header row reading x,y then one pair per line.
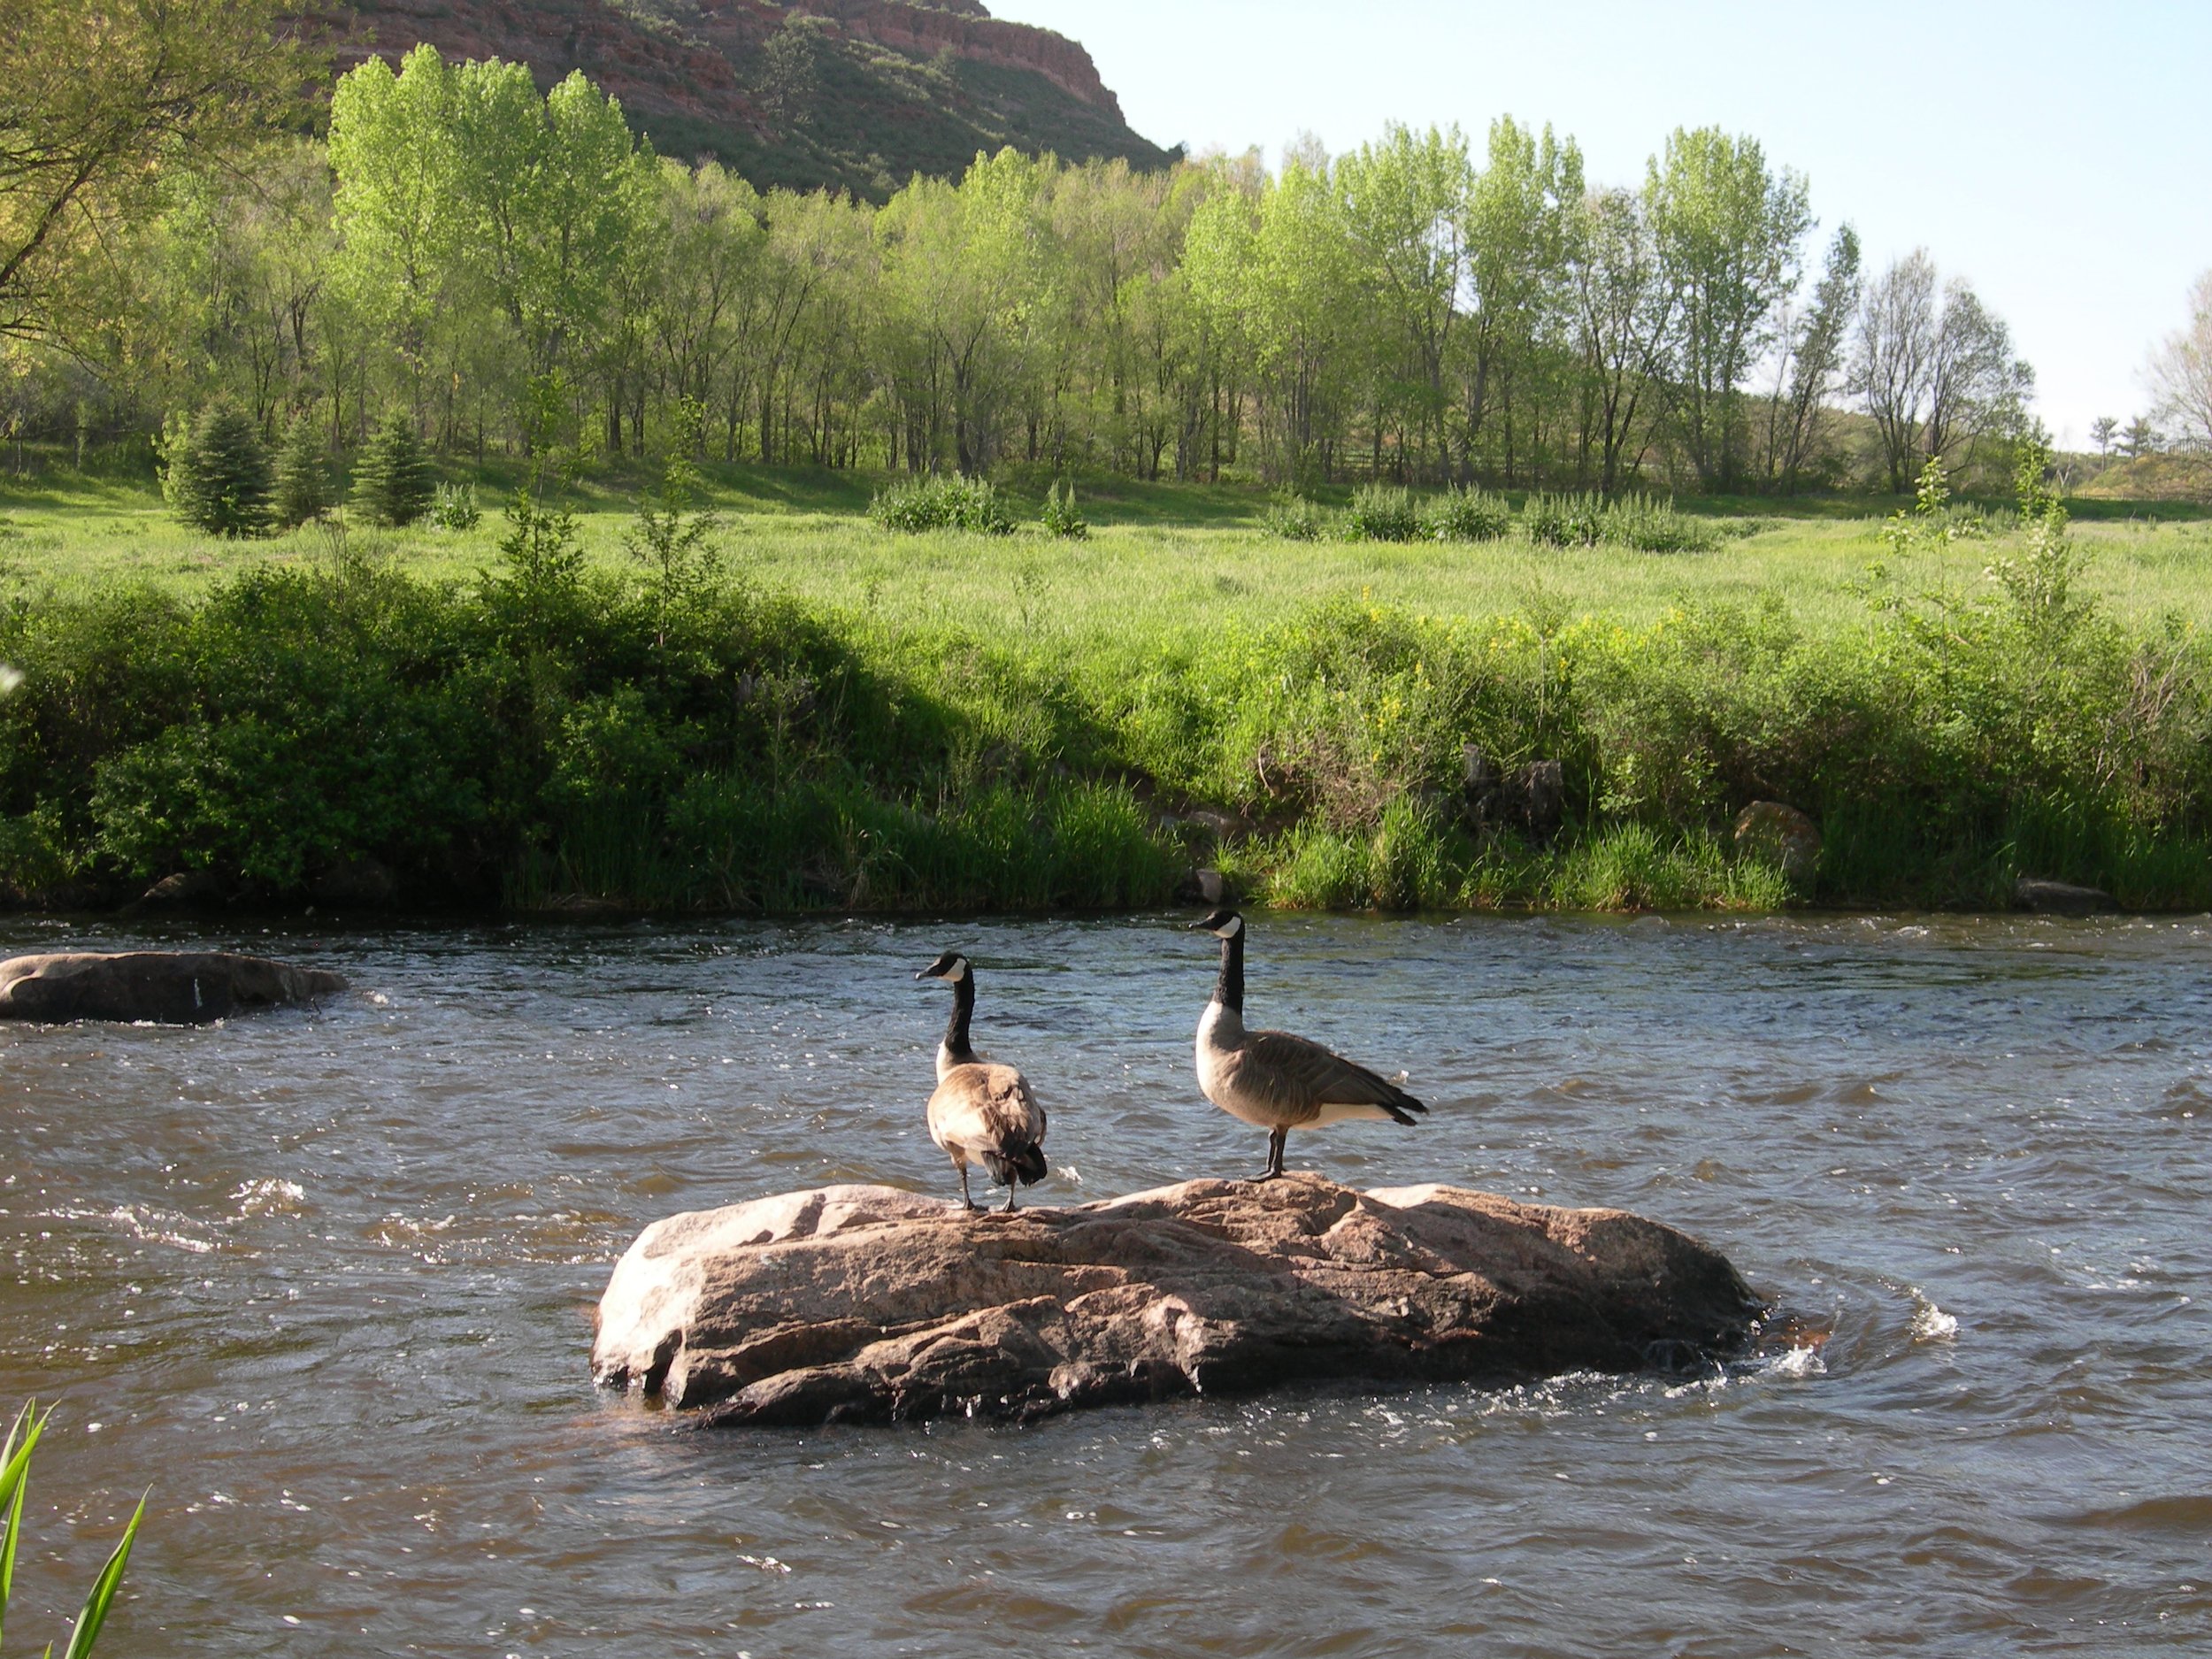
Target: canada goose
x,y
1272,1079
979,1111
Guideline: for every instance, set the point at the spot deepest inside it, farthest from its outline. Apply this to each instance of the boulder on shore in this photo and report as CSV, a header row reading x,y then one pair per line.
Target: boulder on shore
x,y
1780,835
866,1304
170,988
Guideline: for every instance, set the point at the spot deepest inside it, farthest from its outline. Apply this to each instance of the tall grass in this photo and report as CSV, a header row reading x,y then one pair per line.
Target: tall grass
x,y
15,1478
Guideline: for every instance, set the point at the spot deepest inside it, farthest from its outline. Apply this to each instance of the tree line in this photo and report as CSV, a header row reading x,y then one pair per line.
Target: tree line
x,y
507,268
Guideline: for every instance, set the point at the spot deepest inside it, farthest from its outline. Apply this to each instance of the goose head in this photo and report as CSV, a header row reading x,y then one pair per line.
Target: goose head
x,y
1222,924
951,967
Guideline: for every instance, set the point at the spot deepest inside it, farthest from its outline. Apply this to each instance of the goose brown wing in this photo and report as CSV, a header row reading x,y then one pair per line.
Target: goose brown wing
x,y
1299,1074
988,1108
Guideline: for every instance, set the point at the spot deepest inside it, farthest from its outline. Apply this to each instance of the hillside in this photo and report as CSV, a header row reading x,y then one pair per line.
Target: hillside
x,y
856,94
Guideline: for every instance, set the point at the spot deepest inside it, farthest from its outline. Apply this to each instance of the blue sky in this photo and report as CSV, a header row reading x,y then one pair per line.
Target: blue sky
x,y
2059,157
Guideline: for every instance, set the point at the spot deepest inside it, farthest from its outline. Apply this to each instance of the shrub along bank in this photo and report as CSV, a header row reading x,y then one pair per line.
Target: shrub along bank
x,y
550,733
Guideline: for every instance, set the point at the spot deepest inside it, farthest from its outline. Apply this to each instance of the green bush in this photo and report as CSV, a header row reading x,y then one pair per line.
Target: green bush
x,y
941,501
1061,516
1293,519
1574,520
663,736
302,474
392,480
1381,512
1467,515
1649,525
454,508
218,477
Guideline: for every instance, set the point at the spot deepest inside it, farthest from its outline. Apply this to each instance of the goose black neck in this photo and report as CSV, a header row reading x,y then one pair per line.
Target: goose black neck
x,y
1229,987
962,1007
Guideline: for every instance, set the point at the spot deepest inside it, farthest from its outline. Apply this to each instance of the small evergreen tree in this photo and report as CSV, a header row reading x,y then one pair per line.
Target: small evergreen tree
x,y
392,482
302,474
218,477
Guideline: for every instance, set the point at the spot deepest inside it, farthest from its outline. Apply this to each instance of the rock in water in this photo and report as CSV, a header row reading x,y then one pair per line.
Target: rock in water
x,y
2061,898
866,1303
172,988
1779,835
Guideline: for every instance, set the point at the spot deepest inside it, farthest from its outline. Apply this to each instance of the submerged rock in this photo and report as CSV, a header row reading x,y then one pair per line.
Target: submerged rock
x,y
172,987
866,1304
2061,898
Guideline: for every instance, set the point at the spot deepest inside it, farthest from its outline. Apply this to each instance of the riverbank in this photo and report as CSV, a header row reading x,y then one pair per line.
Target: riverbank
x,y
840,718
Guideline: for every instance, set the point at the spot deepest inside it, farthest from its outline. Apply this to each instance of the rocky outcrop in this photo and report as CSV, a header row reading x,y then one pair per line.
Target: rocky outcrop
x,y
169,987
972,32
866,1304
689,72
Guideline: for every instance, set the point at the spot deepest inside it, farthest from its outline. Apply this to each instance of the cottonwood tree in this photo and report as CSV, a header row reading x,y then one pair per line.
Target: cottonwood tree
x,y
1811,362
1624,315
712,246
1404,205
460,189
1729,231
967,278
1279,272
1934,366
95,103
1518,230
2181,376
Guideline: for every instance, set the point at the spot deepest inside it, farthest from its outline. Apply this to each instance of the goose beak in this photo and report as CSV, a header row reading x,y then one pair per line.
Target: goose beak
x,y
921,973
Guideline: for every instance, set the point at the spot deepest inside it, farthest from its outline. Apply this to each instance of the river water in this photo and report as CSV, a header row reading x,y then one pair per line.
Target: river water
x,y
323,1279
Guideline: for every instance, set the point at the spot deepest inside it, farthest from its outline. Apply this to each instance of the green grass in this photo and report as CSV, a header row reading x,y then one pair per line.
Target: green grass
x,y
1163,560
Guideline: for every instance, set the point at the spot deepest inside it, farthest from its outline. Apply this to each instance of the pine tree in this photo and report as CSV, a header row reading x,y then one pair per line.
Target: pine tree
x,y
218,478
303,477
393,481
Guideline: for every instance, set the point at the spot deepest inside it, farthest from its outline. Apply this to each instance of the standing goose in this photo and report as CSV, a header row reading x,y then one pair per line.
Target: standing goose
x,y
1272,1079
981,1111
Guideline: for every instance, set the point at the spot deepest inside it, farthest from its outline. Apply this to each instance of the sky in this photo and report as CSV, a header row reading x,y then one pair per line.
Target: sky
x,y
2057,156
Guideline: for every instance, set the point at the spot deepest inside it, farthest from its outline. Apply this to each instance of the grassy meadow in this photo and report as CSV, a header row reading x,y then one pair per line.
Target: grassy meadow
x,y
847,718
1161,560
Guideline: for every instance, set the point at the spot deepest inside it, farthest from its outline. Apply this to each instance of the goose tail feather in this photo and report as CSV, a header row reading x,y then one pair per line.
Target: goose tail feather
x,y
1025,1164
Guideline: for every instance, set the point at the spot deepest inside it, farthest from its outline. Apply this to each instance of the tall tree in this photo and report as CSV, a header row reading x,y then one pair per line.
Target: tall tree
x,y
1811,364
2181,375
94,102
1934,366
1520,214
1729,231
1624,315
1405,209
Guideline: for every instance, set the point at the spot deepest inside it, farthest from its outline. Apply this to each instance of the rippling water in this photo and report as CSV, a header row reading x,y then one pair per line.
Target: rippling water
x,y
324,1280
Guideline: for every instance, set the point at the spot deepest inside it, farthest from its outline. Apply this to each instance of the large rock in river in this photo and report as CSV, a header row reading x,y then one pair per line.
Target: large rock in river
x,y
173,987
868,1304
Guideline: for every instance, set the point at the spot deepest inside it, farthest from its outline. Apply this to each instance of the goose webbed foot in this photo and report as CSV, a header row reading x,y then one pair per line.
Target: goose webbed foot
x,y
1009,1198
1274,1156
967,1199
